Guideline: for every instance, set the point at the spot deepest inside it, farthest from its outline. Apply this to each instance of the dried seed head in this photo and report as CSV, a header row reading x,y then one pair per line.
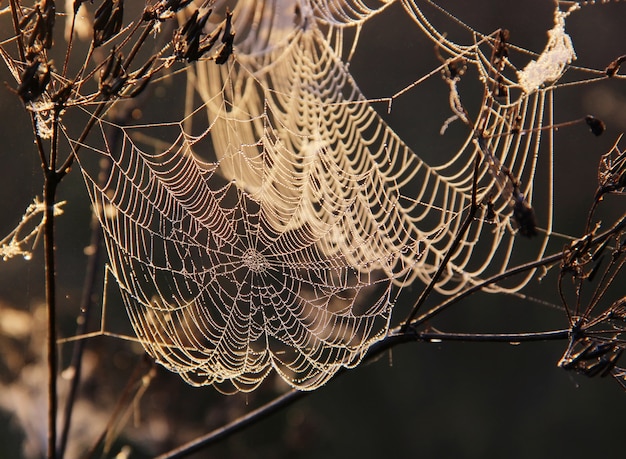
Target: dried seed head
x,y
139,87
612,171
164,9
187,39
61,97
524,216
107,21
48,17
490,214
228,37
34,81
38,27
591,357
613,67
597,126
191,42
112,76
224,54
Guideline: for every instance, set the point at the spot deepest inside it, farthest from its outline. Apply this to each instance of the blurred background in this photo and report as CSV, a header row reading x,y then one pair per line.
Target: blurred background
x,y
473,400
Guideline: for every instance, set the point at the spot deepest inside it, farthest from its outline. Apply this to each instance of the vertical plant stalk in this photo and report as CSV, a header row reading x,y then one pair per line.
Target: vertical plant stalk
x,y
51,181
83,321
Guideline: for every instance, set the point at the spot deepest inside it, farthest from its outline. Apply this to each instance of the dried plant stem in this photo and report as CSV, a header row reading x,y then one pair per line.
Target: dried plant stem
x,y
137,383
253,417
395,337
545,261
51,181
550,335
77,353
50,186
457,240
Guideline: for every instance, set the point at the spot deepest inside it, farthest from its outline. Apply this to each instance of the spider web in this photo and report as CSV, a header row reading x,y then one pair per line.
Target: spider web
x,y
274,227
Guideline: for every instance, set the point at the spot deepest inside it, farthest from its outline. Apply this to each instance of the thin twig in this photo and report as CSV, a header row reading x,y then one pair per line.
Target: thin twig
x,y
546,261
229,429
70,41
134,387
16,21
550,335
85,306
395,337
460,234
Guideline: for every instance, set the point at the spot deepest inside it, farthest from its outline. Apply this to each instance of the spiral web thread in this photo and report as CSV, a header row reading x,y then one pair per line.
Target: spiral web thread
x,y
272,232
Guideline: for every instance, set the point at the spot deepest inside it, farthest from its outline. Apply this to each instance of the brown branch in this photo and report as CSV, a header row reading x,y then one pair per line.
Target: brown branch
x,y
85,306
395,337
546,261
457,240
253,417
50,185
